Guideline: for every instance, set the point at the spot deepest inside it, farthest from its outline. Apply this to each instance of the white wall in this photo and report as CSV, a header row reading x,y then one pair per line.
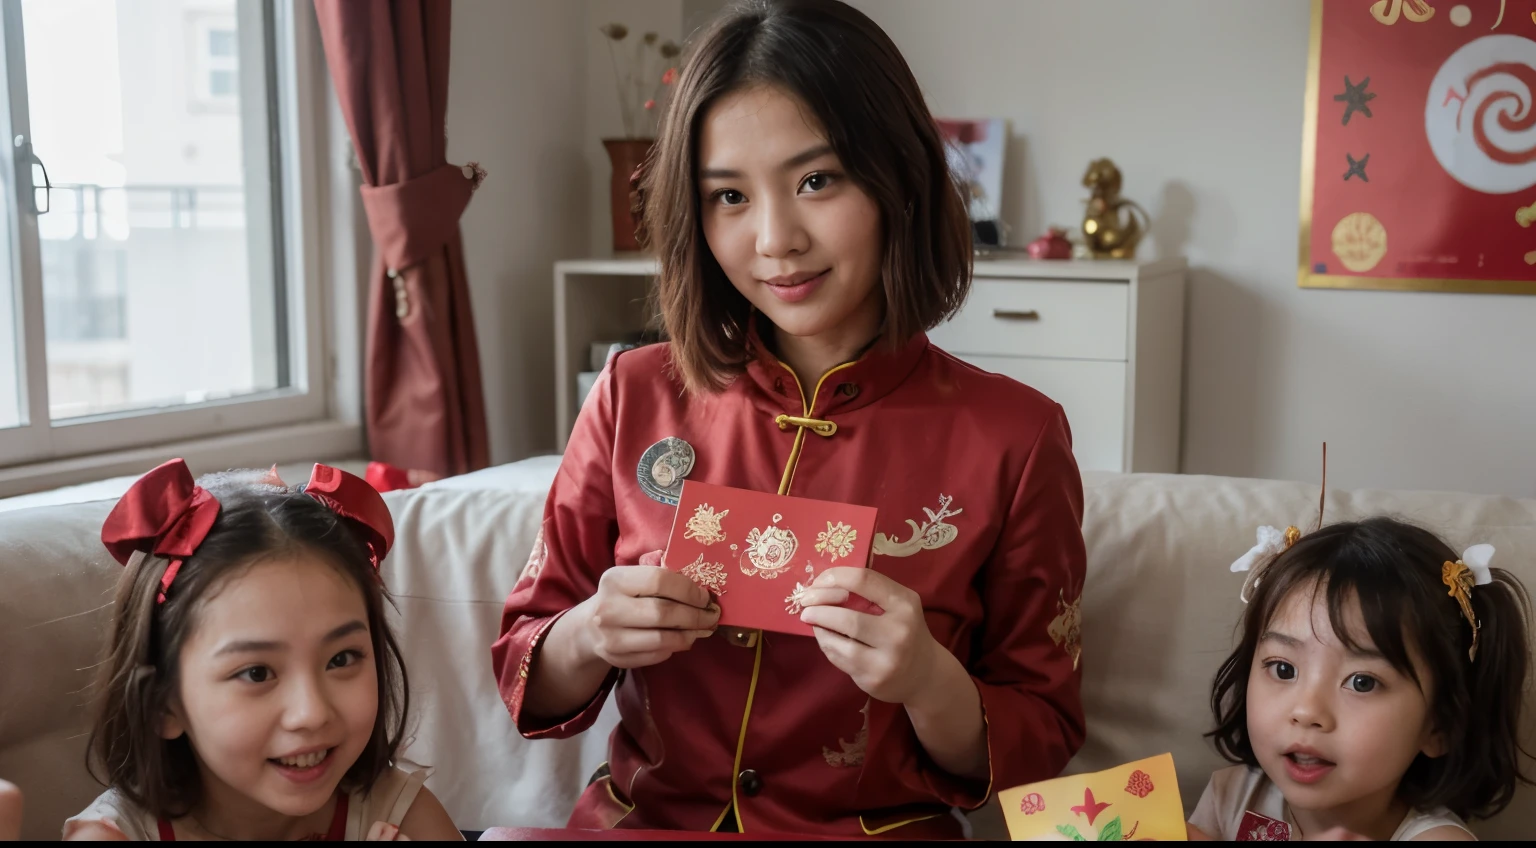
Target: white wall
x,y
517,104
1200,103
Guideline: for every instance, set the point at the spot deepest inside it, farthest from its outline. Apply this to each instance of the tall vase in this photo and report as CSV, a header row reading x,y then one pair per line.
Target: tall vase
x,y
626,155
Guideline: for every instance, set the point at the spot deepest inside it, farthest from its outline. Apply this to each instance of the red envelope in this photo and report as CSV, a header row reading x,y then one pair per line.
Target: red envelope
x,y
757,552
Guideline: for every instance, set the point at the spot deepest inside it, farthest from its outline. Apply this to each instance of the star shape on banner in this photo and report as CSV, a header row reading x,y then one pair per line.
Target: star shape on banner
x,y
1355,97
1357,167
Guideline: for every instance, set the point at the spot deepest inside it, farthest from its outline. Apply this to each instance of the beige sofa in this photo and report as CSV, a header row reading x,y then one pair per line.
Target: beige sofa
x,y
1158,618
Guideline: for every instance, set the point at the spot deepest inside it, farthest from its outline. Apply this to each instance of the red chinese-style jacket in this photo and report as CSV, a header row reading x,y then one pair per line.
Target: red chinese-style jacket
x,y
980,512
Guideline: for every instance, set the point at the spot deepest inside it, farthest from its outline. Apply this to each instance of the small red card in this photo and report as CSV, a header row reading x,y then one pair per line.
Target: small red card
x,y
757,552
1257,828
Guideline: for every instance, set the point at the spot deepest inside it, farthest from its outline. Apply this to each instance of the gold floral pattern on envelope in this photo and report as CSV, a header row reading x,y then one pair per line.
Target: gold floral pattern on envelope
x,y
769,551
836,541
796,600
705,525
709,575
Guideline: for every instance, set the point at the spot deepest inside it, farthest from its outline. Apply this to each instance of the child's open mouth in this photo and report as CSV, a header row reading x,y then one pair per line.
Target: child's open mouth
x,y
1307,768
305,767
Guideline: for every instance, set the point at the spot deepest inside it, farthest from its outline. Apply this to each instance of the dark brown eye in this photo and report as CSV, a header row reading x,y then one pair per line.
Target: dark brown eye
x,y
344,659
1362,683
816,182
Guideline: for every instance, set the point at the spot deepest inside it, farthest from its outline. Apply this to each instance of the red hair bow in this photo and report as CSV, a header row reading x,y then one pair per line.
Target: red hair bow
x,y
349,496
163,513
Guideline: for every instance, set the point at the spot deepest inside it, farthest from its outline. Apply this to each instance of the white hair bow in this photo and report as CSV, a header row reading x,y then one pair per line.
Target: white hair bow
x,y
1476,559
1271,542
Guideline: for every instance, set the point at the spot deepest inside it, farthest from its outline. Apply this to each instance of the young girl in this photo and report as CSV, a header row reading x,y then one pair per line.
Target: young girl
x,y
1376,692
252,688
809,233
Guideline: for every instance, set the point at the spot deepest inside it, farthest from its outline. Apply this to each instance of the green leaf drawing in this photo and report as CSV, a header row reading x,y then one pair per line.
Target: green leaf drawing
x,y
1111,831
1070,832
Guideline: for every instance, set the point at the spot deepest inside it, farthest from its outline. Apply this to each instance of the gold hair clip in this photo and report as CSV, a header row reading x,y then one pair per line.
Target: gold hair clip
x,y
1460,576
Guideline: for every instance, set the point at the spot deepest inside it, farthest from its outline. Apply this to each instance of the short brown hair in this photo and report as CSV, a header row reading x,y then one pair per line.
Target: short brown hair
x,y
850,75
141,673
1393,570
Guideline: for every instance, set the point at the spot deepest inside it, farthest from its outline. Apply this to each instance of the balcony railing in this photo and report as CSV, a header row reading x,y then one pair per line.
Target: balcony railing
x,y
90,232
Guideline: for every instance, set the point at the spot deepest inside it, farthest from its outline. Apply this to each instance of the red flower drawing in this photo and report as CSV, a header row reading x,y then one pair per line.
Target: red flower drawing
x,y
1140,784
650,104
669,77
1032,804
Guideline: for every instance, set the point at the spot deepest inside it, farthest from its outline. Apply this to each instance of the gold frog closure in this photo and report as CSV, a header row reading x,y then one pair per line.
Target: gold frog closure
x,y
931,535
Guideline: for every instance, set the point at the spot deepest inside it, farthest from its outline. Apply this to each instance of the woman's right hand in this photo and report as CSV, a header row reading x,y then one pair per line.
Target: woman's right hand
x,y
639,616
643,614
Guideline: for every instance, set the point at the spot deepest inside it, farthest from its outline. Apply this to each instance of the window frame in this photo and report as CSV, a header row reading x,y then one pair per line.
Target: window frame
x,y
322,239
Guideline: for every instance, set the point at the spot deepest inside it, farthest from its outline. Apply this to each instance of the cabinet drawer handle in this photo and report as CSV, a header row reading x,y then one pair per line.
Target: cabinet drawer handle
x,y
1016,314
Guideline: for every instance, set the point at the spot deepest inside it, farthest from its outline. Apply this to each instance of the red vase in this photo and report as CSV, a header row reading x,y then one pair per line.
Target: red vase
x,y
626,155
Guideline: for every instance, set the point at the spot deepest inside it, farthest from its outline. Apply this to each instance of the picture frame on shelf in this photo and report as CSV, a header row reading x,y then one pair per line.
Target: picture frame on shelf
x,y
977,149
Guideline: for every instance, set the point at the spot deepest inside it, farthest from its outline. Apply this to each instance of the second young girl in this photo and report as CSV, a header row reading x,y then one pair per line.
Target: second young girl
x,y
252,688
1376,691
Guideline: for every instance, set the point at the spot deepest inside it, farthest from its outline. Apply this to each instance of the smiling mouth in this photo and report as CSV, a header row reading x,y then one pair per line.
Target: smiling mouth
x,y
794,280
303,761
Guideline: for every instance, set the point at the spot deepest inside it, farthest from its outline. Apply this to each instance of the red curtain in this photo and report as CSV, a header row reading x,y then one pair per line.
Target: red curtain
x,y
389,62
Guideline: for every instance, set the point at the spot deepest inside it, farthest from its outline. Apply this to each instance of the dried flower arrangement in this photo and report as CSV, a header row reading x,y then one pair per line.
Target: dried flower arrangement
x,y
642,76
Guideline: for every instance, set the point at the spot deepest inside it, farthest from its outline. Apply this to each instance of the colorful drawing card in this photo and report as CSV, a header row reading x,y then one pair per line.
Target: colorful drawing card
x,y
757,552
1138,800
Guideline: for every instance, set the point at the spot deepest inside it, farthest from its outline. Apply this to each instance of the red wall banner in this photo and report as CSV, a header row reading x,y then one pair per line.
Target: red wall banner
x,y
1419,155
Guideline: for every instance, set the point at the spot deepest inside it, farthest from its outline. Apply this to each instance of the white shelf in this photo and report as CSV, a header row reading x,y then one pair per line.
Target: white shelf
x,y
632,266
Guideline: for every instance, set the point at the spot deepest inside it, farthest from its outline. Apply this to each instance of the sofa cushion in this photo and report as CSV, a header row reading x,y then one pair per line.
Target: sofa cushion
x,y
56,588
457,554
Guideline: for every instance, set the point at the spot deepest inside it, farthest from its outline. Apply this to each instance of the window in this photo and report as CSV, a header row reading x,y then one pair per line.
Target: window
x,y
156,284
214,79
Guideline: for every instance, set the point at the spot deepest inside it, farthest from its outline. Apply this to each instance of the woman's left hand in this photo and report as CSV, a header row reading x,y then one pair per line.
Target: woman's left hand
x,y
889,655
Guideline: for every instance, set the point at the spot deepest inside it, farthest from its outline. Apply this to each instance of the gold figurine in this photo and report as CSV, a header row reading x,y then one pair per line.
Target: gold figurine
x,y
1107,236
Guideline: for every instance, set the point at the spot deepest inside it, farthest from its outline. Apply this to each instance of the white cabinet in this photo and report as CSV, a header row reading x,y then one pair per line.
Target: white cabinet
x,y
1105,339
